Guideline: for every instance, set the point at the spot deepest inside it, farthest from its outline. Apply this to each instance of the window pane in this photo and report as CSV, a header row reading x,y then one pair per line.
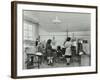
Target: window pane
x,y
28,31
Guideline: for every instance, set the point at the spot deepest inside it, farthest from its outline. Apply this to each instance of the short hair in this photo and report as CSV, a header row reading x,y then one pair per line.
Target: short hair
x,y
58,47
49,41
68,39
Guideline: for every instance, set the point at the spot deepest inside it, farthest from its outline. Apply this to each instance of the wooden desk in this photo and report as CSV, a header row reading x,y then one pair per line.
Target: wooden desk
x,y
32,61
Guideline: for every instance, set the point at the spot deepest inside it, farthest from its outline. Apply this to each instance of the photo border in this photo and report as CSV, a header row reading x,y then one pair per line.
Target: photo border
x,y
14,37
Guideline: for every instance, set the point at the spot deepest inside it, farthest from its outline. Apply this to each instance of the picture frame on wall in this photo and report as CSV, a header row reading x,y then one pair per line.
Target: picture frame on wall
x,y
51,39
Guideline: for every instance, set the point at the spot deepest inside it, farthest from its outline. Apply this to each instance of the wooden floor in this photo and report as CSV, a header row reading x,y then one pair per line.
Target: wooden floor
x,y
75,62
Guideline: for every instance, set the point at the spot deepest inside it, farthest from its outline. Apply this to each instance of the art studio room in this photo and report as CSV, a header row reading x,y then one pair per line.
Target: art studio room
x,y
54,39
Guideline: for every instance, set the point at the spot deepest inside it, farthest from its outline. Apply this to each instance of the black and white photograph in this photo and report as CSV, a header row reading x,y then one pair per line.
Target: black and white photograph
x,y
56,39
53,39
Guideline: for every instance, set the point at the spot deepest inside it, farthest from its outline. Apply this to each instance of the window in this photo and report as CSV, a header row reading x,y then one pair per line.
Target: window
x,y
28,30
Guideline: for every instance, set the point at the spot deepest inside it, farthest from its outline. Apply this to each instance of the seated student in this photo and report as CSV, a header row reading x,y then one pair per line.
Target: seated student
x,y
59,51
63,51
59,54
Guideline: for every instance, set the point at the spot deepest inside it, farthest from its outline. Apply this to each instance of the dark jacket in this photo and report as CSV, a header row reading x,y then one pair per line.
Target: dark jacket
x,y
49,50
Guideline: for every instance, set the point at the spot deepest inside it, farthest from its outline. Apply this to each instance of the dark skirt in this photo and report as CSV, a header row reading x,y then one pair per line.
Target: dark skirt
x,y
68,56
49,52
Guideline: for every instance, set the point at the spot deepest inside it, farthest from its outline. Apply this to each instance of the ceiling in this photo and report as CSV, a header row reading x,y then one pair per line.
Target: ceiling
x,y
69,21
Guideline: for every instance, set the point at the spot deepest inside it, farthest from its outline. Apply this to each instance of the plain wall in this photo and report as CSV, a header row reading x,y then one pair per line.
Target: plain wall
x,y
60,37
